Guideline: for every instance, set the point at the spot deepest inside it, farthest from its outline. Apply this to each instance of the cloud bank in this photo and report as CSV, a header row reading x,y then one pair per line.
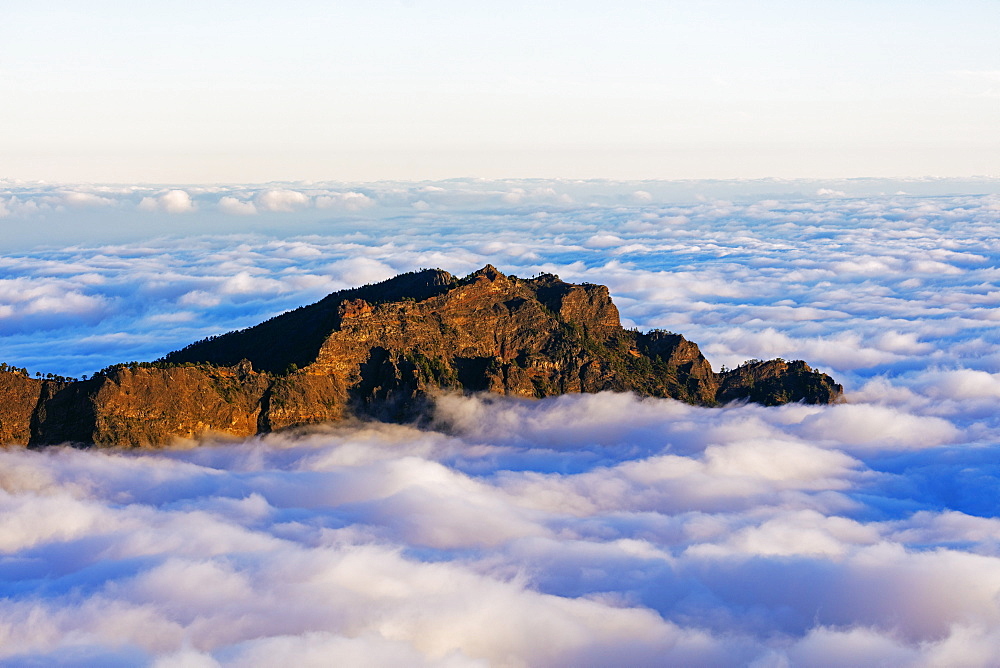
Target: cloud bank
x,y
578,530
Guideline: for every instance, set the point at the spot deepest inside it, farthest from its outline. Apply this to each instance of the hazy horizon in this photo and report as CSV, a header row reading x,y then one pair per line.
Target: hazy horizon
x,y
395,89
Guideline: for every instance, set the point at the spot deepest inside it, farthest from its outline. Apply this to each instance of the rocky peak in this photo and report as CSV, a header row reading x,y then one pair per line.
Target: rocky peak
x,y
490,278
489,272
776,382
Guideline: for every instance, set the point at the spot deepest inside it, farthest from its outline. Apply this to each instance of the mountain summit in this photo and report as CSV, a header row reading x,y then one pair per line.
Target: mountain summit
x,y
381,351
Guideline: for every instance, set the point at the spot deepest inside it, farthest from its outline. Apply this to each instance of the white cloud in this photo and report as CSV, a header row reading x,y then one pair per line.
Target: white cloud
x,y
961,384
904,343
876,427
281,200
794,533
603,241
15,206
172,201
236,206
850,647
47,303
199,298
82,199
244,283
360,271
350,201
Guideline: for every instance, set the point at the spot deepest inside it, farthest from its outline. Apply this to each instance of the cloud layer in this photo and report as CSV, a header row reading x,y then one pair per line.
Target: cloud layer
x,y
579,530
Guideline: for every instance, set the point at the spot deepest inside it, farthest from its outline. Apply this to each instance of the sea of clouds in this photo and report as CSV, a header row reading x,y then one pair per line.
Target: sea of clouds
x,y
579,530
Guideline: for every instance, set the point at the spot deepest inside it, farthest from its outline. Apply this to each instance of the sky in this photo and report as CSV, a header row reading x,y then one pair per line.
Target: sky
x,y
577,530
235,92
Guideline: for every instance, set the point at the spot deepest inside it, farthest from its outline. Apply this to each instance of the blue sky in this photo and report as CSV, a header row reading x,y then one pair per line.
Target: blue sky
x,y
189,92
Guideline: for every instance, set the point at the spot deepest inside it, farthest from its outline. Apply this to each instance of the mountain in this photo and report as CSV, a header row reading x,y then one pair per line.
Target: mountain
x,y
382,351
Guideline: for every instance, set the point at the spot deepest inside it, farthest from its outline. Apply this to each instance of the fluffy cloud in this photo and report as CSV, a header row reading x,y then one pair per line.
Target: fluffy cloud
x,y
84,199
172,201
351,201
962,384
27,305
281,200
236,206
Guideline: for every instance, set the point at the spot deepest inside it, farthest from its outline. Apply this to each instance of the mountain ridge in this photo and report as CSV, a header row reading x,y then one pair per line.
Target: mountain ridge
x,y
383,351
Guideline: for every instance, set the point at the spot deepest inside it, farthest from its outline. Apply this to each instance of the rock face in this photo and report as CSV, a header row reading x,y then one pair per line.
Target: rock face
x,y
380,351
776,382
19,396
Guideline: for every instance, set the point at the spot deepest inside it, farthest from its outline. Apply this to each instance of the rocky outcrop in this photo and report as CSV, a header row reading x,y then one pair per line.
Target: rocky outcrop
x,y
19,397
776,382
380,351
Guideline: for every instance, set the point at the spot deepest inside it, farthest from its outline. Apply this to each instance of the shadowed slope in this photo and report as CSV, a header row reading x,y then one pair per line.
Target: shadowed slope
x,y
294,338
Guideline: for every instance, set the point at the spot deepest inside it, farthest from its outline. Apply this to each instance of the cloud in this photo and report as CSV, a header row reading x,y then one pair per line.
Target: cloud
x,y
15,206
866,426
603,241
281,200
350,201
172,201
47,304
360,271
244,283
84,199
236,206
962,384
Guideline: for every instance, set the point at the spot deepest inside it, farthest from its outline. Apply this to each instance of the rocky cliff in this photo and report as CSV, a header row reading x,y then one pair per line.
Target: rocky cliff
x,y
380,351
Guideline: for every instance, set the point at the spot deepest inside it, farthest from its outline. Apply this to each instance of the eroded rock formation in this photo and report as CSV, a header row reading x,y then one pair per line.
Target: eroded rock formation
x,y
380,351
